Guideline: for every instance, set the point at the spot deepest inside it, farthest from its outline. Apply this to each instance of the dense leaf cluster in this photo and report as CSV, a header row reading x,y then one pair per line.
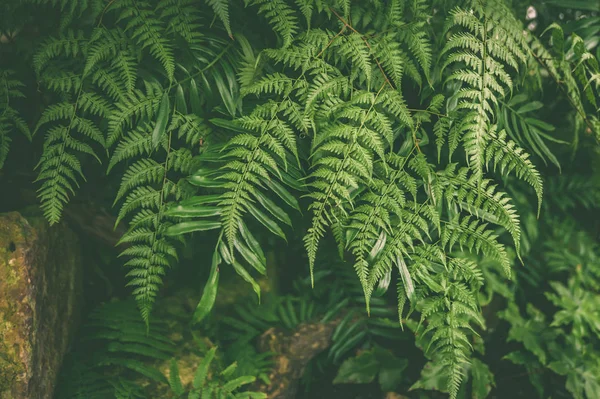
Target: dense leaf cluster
x,y
244,118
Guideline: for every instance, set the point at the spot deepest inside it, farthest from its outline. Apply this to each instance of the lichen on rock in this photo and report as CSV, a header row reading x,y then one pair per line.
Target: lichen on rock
x,y
40,287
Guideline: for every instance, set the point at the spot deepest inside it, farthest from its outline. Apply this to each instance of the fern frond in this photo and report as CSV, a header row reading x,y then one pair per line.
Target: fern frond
x,y
281,17
482,199
354,48
183,19
191,128
144,171
506,155
146,190
573,191
57,166
121,342
374,214
417,39
392,58
344,158
486,48
221,10
68,45
10,118
252,160
152,253
473,236
137,106
450,314
147,31
137,142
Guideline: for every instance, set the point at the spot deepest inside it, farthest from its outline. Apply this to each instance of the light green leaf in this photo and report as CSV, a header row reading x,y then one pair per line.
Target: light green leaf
x,y
193,211
188,227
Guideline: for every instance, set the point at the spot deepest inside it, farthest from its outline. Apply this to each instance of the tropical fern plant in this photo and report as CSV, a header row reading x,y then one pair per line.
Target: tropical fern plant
x,y
311,121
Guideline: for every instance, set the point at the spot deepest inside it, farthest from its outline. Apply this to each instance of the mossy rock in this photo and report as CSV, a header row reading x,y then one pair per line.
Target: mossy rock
x,y
40,296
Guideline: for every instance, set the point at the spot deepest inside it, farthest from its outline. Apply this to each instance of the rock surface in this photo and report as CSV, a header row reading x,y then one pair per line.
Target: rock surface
x,y
40,294
293,351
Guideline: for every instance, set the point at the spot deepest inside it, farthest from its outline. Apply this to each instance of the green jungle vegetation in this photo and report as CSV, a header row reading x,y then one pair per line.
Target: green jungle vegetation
x,y
417,181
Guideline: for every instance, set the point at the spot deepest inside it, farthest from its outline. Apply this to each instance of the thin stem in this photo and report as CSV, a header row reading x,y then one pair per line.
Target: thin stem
x,y
346,24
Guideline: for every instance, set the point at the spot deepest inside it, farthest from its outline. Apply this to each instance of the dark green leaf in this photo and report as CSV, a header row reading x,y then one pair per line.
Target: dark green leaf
x,y
247,277
252,242
253,259
283,193
195,98
180,104
273,208
161,120
208,295
271,225
358,370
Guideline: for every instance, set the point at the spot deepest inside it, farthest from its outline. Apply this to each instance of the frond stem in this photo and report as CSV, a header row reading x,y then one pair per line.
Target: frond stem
x,y
346,24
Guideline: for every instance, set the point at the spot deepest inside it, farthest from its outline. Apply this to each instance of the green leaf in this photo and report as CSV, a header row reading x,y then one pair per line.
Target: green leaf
x,y
225,92
138,367
361,369
348,342
188,227
229,370
392,369
229,125
273,208
284,194
433,377
247,277
175,380
193,211
558,37
195,98
209,294
180,104
271,225
202,371
252,258
221,10
238,382
252,242
531,106
482,379
204,181
201,200
161,120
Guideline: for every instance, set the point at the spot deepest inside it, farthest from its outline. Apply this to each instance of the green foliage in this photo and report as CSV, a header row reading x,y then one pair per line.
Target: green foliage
x,y
365,367
261,123
118,357
527,130
489,44
223,385
574,325
10,119
114,353
575,70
